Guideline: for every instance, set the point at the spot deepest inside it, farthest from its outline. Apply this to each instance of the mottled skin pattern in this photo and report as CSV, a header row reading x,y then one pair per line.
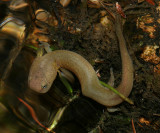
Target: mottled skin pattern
x,y
44,69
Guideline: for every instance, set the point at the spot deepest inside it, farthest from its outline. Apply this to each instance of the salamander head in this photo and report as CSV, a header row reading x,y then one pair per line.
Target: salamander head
x,y
37,82
41,76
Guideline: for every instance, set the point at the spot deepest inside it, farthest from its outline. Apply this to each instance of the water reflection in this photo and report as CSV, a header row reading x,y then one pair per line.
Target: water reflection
x,y
37,112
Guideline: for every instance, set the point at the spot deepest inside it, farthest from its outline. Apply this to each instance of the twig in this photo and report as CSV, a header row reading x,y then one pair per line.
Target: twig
x,y
103,5
134,130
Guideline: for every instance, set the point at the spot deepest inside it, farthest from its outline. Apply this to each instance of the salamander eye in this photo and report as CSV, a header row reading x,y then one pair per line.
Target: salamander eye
x,y
44,86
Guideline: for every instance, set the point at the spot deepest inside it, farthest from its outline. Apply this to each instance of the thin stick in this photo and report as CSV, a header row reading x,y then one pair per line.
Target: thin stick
x,y
134,130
